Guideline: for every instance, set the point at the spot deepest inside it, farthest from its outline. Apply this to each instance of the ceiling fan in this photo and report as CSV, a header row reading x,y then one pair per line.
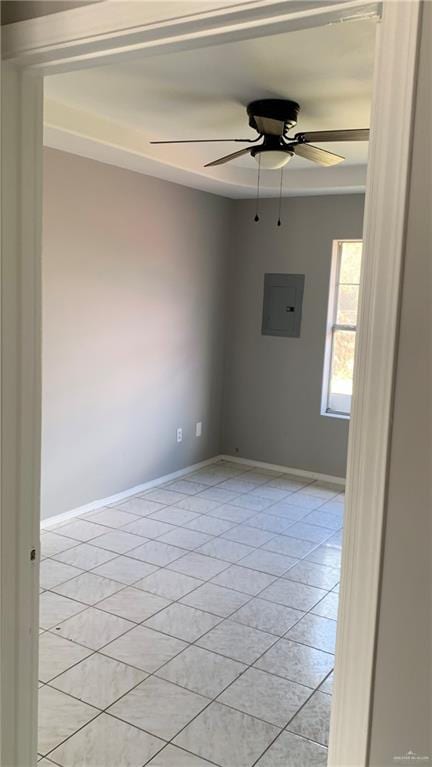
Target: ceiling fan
x,y
273,119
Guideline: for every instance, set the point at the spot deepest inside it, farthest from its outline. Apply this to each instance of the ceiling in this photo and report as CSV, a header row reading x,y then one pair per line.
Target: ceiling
x,y
112,112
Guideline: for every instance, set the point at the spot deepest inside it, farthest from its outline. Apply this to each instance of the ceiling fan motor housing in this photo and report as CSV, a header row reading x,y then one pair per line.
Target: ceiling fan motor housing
x,y
282,110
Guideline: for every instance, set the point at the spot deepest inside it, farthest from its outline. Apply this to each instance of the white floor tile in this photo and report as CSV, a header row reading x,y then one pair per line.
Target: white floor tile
x,y
211,525
328,519
215,599
125,569
252,502
171,756
327,685
175,516
297,662
268,697
85,556
80,529
238,485
290,481
186,486
201,671
293,751
93,628
328,606
167,497
267,616
118,541
250,536
144,648
133,604
53,609
218,494
57,654
313,721
107,742
313,575
270,522
268,562
148,527
230,513
88,588
197,504
139,506
315,631
325,555
289,546
59,717
293,594
168,584
186,539
99,680
229,551
273,494
305,501
111,517
182,622
227,737
157,553
306,531
336,539
244,579
198,566
236,641
159,707
53,543
52,573
286,511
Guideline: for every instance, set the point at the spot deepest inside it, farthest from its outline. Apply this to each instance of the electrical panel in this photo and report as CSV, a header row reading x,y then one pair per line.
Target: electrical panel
x,y
282,306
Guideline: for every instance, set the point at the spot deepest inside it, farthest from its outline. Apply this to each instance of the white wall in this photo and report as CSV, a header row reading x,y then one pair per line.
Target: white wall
x,y
402,694
133,312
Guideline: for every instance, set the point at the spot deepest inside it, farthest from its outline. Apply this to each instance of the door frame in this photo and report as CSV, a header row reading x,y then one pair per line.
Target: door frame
x,y
103,33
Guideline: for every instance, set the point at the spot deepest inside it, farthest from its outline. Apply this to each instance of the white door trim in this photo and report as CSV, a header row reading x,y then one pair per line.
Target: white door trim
x,y
42,45
21,176
384,232
90,36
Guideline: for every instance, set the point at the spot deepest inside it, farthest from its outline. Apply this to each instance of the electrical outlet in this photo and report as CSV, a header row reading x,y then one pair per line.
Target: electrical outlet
x,y
198,429
179,435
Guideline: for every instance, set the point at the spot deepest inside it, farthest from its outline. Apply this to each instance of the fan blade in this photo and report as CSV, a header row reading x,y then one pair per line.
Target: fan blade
x,y
266,125
360,134
314,153
205,140
227,157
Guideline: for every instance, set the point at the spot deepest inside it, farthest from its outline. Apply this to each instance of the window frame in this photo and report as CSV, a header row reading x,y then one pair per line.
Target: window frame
x,y
333,326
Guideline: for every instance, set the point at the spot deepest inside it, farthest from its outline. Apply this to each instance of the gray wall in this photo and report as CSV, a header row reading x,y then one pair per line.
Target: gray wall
x,y
402,714
134,273
272,392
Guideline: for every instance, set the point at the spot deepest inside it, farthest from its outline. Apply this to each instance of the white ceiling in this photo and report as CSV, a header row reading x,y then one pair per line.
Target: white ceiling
x,y
112,112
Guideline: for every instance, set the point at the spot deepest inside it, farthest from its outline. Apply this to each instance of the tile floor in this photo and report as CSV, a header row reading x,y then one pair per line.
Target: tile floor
x,y
193,625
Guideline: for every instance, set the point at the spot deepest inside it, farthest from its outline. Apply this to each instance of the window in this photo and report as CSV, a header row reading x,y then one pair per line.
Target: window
x,y
341,328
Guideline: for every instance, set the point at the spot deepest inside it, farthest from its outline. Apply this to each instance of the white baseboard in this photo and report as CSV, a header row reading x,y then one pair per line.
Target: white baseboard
x,y
125,494
284,469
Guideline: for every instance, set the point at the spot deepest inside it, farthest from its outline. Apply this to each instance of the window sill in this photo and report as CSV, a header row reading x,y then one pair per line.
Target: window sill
x,y
343,416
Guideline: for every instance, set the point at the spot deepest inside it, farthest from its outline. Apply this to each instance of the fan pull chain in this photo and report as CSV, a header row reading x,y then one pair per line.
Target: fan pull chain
x,y
257,218
280,197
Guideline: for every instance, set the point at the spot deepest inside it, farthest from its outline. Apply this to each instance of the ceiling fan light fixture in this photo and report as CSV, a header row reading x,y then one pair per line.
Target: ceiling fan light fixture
x,y
273,159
